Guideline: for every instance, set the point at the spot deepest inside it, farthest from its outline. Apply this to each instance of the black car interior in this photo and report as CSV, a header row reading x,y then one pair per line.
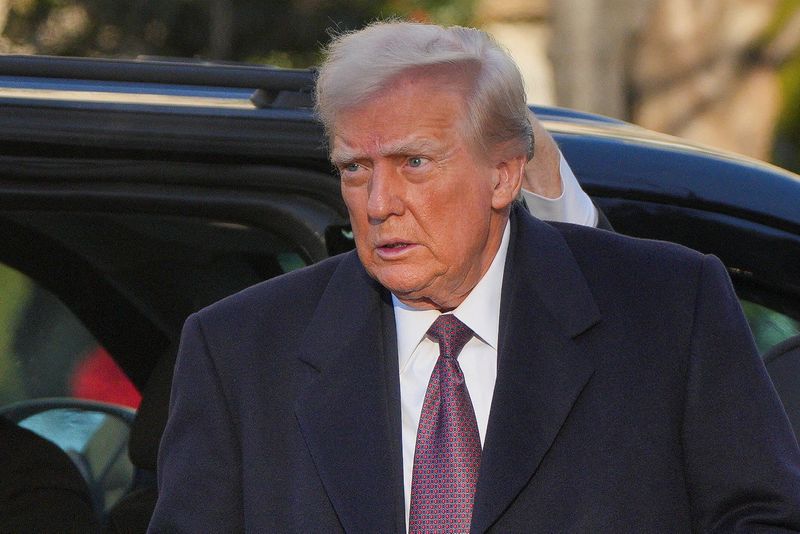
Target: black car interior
x,y
131,280
783,364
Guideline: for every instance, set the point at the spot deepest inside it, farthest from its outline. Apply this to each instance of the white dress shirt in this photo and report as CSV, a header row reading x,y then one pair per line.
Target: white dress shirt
x,y
417,355
573,206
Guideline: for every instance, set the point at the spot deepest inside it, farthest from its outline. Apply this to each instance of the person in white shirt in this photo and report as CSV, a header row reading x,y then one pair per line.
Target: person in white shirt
x,y
550,188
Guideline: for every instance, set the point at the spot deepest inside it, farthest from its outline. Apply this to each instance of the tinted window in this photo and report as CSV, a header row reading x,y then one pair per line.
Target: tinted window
x,y
45,351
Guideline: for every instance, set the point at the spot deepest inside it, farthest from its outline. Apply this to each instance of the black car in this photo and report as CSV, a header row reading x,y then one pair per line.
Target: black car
x,y
133,193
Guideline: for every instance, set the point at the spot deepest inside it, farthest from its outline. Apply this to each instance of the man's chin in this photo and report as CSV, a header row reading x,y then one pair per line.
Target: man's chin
x,y
410,285
403,291
421,298
407,291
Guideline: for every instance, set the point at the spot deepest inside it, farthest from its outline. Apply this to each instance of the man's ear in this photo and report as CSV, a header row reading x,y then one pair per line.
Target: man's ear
x,y
509,174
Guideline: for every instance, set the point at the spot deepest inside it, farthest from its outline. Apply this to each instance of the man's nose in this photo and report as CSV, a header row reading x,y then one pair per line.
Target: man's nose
x,y
385,194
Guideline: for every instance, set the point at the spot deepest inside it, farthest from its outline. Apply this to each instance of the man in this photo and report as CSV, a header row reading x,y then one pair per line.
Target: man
x,y
469,368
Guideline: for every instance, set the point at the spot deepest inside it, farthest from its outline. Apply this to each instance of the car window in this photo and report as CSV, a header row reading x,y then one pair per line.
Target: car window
x,y
769,326
59,382
45,351
126,281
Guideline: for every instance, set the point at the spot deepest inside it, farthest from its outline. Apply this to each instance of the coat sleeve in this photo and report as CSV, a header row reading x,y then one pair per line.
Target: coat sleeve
x,y
199,460
742,462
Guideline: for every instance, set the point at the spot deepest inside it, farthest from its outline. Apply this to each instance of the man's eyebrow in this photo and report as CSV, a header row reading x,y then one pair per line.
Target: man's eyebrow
x,y
410,147
340,156
406,147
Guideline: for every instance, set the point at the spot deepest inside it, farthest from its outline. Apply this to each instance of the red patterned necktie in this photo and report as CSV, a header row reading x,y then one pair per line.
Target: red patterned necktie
x,y
448,449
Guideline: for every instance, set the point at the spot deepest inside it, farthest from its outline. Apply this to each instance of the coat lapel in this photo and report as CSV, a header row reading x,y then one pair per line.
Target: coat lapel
x,y
348,410
546,303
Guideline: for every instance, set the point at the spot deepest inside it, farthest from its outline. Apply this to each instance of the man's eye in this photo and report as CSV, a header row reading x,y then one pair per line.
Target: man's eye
x,y
351,167
415,162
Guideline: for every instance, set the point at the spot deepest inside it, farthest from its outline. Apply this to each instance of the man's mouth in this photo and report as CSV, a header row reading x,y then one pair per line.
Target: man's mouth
x,y
394,249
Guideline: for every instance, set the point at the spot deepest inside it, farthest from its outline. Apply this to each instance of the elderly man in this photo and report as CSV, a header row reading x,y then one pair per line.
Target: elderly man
x,y
469,368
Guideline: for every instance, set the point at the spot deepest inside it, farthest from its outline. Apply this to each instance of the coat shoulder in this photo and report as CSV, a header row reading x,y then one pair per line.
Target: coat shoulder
x,y
605,257
599,244
282,301
655,281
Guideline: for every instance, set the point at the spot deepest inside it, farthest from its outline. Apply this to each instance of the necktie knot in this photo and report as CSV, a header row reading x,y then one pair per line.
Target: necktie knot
x,y
451,334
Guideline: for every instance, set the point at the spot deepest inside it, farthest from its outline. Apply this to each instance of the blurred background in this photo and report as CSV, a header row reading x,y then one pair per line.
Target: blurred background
x,y
724,73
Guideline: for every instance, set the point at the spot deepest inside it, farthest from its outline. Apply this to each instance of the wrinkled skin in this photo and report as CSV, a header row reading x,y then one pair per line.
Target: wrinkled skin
x,y
427,207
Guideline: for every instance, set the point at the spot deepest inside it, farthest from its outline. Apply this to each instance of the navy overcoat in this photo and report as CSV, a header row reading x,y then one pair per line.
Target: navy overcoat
x,y
629,398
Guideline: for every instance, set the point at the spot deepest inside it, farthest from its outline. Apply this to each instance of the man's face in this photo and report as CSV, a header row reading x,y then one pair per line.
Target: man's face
x,y
427,208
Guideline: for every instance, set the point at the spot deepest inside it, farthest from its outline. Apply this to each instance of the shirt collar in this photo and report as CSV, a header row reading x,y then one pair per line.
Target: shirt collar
x,y
480,310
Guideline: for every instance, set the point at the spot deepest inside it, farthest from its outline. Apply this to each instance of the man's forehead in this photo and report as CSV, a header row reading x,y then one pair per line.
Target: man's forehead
x,y
409,116
415,85
459,76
